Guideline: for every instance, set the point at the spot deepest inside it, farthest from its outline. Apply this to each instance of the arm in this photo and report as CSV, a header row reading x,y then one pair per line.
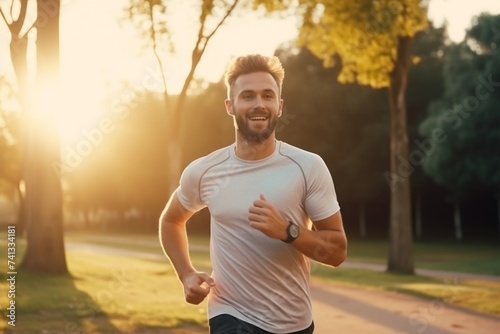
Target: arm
x,y
327,244
173,239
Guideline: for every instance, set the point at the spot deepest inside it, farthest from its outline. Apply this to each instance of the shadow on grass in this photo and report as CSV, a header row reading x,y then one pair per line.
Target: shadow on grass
x,y
53,304
184,329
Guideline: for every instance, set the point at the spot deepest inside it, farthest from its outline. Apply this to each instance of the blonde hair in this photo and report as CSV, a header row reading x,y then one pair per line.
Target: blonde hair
x,y
251,64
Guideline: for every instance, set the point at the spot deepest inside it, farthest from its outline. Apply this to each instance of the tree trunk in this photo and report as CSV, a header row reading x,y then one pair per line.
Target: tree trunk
x,y
18,49
498,214
418,215
45,250
362,220
400,243
18,54
457,221
21,212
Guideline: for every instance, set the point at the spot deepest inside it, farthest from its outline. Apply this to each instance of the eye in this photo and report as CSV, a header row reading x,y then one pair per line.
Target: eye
x,y
268,96
247,96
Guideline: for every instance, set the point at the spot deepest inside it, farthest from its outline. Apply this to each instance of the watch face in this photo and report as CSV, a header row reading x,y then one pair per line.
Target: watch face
x,y
294,231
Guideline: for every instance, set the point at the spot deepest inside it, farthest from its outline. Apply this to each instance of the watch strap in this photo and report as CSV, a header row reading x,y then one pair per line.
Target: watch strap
x,y
289,237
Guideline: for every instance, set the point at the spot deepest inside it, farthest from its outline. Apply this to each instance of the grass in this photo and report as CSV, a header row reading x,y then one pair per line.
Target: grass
x,y
478,258
105,293
134,293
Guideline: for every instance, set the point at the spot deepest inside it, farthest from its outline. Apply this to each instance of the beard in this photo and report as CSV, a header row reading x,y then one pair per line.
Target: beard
x,y
255,136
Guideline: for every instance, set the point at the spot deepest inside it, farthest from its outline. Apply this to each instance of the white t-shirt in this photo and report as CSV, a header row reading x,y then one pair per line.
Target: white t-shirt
x,y
260,280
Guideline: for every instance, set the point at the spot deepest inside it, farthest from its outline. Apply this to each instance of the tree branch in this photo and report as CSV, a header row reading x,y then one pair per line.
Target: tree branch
x,y
229,11
4,18
16,25
203,40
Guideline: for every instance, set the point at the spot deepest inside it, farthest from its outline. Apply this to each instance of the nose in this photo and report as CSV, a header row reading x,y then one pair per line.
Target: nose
x,y
259,103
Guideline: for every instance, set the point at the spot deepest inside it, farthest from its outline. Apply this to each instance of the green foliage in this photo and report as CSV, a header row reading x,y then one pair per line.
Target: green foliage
x,y
346,124
466,155
363,33
206,125
425,84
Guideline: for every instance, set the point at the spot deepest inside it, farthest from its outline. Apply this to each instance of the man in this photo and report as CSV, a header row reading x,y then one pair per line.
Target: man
x,y
264,197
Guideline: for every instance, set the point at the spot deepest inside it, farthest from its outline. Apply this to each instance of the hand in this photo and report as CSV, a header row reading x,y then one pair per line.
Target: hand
x,y
265,217
197,287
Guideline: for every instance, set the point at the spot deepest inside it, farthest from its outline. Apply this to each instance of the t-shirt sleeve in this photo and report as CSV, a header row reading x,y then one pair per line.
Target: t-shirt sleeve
x,y
321,199
188,191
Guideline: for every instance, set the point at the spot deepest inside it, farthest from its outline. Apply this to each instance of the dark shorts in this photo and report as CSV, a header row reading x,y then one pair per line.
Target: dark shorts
x,y
227,324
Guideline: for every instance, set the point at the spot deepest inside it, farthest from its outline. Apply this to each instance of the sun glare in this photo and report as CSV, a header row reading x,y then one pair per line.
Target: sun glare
x,y
61,106
97,50
107,51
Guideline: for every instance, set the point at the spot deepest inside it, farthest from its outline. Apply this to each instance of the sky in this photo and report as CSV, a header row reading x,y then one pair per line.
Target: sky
x,y
458,13
247,34
114,50
97,50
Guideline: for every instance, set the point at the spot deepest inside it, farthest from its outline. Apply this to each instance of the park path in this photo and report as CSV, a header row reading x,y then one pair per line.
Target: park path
x,y
353,310
341,309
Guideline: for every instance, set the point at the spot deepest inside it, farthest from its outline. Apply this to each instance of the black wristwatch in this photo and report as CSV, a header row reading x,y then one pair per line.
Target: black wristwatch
x,y
292,232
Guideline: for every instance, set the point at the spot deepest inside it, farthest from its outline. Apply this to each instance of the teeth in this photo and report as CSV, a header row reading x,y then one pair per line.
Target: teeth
x,y
261,118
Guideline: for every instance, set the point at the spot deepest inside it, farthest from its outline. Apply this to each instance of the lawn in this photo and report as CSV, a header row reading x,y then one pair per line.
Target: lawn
x,y
105,293
478,258
134,289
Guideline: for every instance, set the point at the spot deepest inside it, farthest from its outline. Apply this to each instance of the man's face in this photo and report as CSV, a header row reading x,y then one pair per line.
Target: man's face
x,y
256,106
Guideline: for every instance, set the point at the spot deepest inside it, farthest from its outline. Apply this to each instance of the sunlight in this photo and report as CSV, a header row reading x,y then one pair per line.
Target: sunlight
x,y
106,52
67,108
97,52
77,111
440,10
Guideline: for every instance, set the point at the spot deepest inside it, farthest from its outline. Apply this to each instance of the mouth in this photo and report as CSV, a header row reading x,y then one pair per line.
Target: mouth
x,y
258,118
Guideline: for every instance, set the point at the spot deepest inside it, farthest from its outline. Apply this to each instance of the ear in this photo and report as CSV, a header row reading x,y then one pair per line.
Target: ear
x,y
280,110
229,107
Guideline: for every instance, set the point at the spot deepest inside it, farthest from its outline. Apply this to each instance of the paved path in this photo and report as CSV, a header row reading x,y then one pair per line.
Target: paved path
x,y
349,310
340,309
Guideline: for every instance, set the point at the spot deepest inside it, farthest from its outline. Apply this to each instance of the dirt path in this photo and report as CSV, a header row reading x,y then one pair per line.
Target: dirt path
x,y
341,309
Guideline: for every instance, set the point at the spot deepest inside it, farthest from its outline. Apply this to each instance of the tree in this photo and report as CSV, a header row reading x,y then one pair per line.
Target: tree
x,y
10,148
463,125
18,46
124,172
45,243
154,15
343,123
373,40
425,84
18,43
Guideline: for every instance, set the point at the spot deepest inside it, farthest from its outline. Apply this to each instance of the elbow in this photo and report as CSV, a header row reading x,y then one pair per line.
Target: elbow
x,y
339,258
333,256
339,255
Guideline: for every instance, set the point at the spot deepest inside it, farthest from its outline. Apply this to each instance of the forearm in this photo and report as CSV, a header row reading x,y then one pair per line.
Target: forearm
x,y
173,239
325,246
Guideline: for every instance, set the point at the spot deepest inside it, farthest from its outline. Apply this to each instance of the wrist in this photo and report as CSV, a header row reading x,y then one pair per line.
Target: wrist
x,y
182,275
292,232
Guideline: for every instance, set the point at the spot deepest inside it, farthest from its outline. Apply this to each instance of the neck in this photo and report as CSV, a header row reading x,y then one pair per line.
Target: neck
x,y
254,151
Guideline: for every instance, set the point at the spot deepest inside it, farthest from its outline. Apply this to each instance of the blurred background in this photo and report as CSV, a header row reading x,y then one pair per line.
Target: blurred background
x,y
140,95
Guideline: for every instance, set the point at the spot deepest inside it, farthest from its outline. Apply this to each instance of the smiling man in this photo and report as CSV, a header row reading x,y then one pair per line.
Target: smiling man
x,y
264,197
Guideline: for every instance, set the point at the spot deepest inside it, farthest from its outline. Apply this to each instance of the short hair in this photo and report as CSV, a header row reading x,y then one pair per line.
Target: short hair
x,y
251,64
